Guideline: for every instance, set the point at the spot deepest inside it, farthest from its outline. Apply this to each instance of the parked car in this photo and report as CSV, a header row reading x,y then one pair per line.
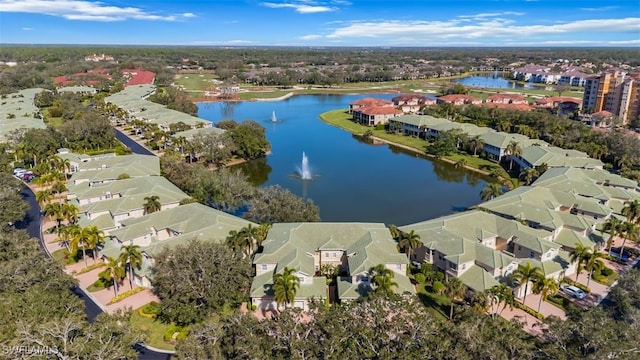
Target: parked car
x,y
573,291
19,172
616,255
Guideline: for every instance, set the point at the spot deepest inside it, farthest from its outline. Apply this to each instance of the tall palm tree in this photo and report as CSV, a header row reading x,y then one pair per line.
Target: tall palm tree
x,y
261,234
65,234
131,258
55,211
454,289
114,271
593,263
491,191
233,242
285,286
526,273
613,226
513,149
545,287
579,255
58,188
503,295
409,242
77,241
248,235
460,163
631,210
528,175
152,204
382,279
43,197
630,231
69,213
477,144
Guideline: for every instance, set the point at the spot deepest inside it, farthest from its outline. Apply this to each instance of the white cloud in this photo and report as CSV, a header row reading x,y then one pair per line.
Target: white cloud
x,y
85,10
602,8
488,29
27,28
486,15
310,37
302,7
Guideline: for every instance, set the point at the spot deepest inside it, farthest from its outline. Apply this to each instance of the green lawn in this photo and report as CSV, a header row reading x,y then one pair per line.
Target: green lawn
x,y
437,305
195,81
154,330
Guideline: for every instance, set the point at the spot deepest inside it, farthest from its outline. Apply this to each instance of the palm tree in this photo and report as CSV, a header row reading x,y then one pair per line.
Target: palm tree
x,y
528,175
395,232
491,191
58,188
131,257
114,271
382,279
545,287
233,241
261,234
578,256
285,286
631,210
65,234
78,241
43,197
593,263
513,149
526,273
247,238
152,204
86,238
69,212
503,294
409,241
612,226
454,289
55,211
630,231
477,144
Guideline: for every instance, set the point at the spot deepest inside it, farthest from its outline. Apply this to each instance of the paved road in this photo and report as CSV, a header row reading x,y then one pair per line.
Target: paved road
x,y
134,146
31,224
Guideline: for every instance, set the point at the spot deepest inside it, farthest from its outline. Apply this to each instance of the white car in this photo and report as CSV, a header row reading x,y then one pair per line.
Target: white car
x,y
574,291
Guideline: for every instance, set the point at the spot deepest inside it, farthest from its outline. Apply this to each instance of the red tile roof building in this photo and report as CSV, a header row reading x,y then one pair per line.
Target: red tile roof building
x,y
412,103
555,101
138,77
358,104
459,99
375,115
507,99
90,78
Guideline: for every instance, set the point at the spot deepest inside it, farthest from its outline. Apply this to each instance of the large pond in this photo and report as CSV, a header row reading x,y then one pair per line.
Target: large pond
x,y
352,180
495,82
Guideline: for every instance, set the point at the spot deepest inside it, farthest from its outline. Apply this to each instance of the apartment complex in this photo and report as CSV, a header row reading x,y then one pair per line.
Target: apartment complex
x,y
616,92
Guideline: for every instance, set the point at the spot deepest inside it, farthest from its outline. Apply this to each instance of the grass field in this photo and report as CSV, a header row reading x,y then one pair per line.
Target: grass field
x,y
198,82
153,329
437,305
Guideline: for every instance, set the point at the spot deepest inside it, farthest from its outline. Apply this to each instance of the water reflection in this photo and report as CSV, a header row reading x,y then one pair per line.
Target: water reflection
x,y
257,170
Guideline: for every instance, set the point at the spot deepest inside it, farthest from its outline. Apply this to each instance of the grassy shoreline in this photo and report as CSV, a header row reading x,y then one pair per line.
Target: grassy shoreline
x,y
342,119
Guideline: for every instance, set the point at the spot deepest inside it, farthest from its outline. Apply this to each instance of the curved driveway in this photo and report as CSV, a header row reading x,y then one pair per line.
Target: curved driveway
x,y
31,224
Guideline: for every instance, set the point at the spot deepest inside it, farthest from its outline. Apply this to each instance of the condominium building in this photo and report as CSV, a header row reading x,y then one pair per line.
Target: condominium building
x,y
616,92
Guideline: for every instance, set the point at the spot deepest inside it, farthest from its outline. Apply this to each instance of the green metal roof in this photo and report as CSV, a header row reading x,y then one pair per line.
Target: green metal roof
x,y
478,279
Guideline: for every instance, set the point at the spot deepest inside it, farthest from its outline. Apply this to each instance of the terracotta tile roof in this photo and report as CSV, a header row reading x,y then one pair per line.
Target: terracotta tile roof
x,y
508,97
379,110
556,99
139,77
459,97
372,102
602,114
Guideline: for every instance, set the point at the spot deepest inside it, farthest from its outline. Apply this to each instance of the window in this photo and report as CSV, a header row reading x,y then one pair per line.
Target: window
x,y
333,255
398,266
364,278
301,278
453,266
263,267
531,254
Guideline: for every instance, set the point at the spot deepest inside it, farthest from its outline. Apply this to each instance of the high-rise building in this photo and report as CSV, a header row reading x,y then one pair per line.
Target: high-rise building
x,y
616,92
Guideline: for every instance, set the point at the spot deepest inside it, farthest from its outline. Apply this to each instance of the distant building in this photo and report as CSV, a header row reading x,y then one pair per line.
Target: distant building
x,y
459,99
616,92
100,57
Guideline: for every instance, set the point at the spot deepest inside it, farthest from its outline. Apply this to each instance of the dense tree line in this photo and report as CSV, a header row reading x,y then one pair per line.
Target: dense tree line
x,y
175,99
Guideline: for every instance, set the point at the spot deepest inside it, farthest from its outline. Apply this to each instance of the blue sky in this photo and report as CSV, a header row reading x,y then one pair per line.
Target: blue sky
x,y
322,22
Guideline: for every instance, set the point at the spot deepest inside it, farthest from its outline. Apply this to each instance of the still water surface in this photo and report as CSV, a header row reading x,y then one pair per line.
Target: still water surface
x,y
352,180
495,82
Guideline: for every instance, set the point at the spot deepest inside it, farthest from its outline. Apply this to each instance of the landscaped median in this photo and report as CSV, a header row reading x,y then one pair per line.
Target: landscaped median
x,y
342,119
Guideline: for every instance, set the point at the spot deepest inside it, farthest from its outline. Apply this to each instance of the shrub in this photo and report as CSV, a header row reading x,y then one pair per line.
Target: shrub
x,y
152,308
380,127
437,287
529,310
168,334
607,271
255,307
125,295
420,278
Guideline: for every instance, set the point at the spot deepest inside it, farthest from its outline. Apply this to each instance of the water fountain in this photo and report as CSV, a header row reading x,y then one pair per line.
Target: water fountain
x,y
303,170
273,117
